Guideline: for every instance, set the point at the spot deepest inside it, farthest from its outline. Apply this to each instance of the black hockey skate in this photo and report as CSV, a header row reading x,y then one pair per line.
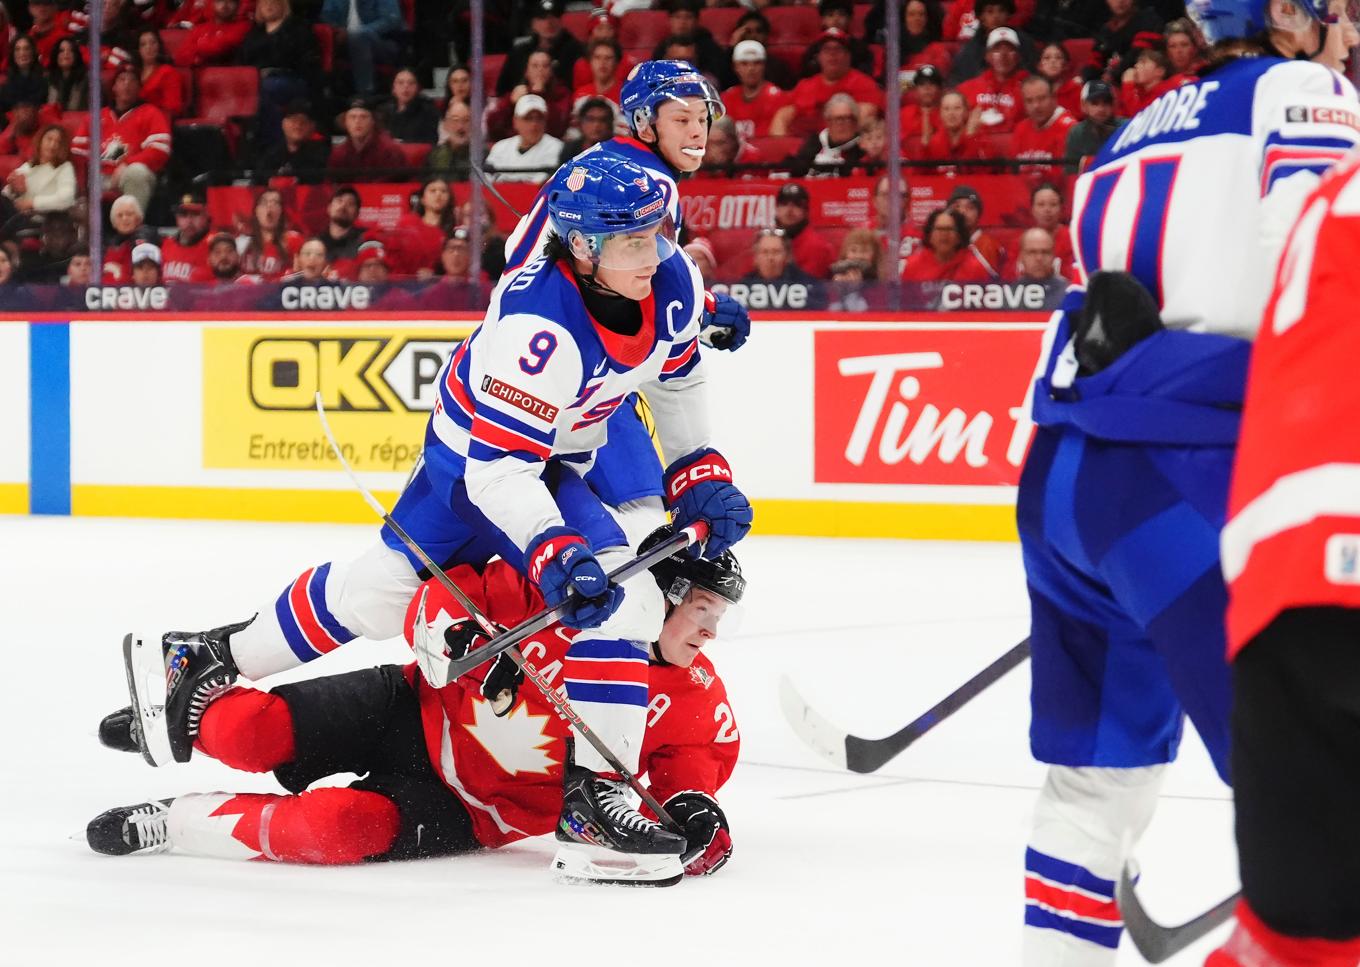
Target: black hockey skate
x,y
171,684
118,730
143,828
606,840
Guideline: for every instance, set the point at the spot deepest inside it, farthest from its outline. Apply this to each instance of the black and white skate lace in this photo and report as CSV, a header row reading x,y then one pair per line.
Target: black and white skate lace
x,y
206,692
147,828
613,802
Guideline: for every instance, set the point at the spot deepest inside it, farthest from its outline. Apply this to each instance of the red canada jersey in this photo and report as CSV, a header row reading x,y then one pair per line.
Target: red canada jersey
x,y
272,259
1045,143
185,263
999,97
924,266
912,118
508,771
753,117
1293,532
141,135
811,93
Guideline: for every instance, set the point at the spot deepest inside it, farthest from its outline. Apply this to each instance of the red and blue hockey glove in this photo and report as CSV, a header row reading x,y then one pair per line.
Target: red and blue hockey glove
x,y
708,840
725,323
560,562
699,487
503,678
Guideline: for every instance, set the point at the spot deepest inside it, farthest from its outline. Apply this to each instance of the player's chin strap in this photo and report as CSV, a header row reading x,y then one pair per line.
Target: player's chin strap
x,y
1322,42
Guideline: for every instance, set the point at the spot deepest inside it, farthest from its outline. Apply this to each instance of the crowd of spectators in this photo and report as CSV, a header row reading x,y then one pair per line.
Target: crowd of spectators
x,y
336,93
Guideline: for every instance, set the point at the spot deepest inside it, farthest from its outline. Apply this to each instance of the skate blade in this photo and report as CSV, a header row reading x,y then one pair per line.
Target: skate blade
x,y
145,667
579,863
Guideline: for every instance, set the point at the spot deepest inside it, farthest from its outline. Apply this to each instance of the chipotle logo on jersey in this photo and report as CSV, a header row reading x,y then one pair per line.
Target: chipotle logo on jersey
x,y
922,406
519,399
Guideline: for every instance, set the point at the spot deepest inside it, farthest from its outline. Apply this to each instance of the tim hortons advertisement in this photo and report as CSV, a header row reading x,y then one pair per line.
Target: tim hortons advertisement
x,y
922,406
378,385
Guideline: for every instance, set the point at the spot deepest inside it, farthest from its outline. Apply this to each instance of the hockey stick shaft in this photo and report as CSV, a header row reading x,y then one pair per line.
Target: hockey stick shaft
x,y
1155,942
559,704
867,755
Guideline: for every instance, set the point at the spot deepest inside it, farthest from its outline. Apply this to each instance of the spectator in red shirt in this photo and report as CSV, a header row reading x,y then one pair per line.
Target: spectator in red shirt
x,y
49,25
946,255
129,230
538,79
68,81
955,140
1185,49
602,58
908,236
753,102
414,247
216,41
1148,79
366,154
994,95
835,76
919,119
968,203
812,253
838,15
1046,208
1057,67
603,26
194,12
184,255
135,140
161,83
1042,134
18,137
268,245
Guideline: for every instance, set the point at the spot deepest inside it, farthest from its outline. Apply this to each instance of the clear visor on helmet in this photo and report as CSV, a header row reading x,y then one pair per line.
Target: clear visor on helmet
x,y
641,248
710,612
1296,15
690,88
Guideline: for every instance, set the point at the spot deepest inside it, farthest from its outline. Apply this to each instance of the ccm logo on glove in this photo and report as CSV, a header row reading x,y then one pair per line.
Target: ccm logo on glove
x,y
710,467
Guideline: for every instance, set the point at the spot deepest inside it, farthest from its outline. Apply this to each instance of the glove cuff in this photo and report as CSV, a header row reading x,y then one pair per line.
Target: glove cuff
x,y
547,546
698,467
686,803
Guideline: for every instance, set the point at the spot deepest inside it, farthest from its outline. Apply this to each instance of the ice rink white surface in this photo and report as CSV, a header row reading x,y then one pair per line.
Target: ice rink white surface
x,y
918,864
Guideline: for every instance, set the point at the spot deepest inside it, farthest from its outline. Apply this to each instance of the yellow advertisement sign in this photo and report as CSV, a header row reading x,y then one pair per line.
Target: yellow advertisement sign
x,y
378,385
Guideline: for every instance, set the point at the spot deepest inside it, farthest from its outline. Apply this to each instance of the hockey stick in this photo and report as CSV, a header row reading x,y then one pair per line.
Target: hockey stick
x,y
1158,943
506,642
867,755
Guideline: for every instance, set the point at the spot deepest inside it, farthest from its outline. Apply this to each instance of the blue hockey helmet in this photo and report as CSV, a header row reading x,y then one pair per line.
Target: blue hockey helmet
x,y
654,82
1226,19
599,195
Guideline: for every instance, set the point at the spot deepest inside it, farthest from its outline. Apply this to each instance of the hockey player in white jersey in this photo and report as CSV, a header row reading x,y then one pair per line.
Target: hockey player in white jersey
x,y
1177,226
669,107
522,410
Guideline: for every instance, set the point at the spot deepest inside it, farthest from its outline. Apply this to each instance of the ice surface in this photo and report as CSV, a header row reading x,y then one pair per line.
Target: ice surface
x,y
918,864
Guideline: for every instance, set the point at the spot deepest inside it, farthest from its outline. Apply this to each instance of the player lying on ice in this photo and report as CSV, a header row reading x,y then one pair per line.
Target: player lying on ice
x,y
608,308
477,763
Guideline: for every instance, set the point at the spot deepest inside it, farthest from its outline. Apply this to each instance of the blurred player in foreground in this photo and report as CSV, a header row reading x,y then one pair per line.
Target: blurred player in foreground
x,y
1178,226
1291,555
524,403
477,763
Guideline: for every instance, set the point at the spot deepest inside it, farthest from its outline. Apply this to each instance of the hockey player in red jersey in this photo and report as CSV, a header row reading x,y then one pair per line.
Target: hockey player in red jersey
x,y
1291,557
477,763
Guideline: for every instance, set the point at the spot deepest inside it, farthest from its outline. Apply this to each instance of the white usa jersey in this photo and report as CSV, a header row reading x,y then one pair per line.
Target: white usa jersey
x,y
539,379
531,233
1194,196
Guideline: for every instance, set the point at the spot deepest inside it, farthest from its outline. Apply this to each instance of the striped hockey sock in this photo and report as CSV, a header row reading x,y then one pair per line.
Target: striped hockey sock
x,y
606,681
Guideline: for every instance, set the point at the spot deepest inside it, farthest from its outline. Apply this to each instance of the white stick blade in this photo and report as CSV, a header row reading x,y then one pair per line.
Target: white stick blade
x,y
816,732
